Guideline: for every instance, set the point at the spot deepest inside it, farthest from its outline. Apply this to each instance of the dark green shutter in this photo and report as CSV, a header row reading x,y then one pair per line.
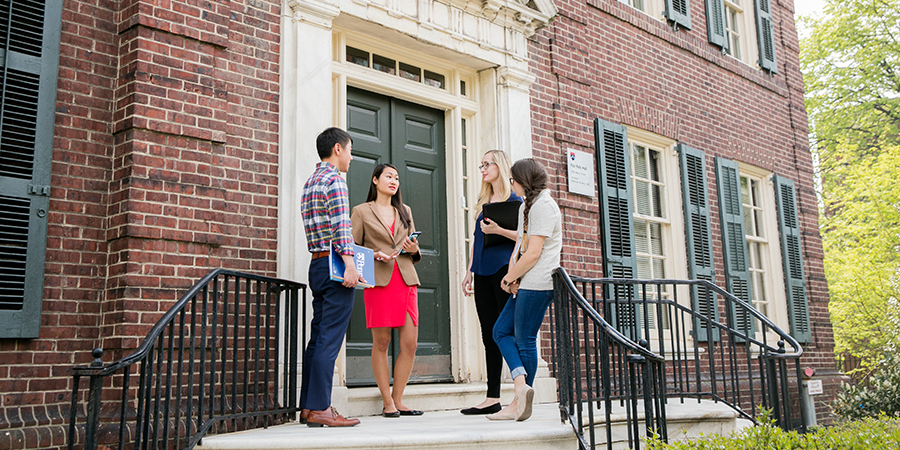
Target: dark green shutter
x,y
679,11
698,234
715,23
616,221
29,56
792,255
734,241
765,35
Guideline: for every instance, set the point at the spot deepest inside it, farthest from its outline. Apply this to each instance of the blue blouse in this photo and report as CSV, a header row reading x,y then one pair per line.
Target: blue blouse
x,y
488,261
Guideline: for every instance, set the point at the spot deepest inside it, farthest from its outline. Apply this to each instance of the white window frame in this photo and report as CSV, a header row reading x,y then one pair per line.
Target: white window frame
x,y
748,52
774,280
653,8
673,224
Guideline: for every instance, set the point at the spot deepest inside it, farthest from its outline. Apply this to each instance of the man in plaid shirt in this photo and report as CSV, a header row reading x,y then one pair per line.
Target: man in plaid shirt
x,y
326,219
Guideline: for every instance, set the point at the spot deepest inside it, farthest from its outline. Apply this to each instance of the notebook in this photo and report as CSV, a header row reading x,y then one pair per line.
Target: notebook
x,y
505,214
364,259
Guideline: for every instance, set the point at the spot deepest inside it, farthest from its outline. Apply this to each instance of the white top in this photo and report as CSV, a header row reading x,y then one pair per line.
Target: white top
x,y
544,219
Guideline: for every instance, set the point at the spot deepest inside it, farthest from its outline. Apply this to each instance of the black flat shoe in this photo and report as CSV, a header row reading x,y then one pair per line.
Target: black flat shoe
x,y
391,414
411,412
495,408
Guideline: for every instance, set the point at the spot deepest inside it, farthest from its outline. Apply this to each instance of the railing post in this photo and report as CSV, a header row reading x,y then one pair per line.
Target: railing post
x,y
634,362
92,425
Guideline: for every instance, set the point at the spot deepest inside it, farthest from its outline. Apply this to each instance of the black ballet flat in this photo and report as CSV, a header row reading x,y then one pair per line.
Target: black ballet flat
x,y
411,412
495,408
391,414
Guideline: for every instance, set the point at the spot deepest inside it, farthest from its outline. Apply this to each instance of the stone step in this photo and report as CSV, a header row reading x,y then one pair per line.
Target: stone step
x,y
437,430
684,420
366,401
434,430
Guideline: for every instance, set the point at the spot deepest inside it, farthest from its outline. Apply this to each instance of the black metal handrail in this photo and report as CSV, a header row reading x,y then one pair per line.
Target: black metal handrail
x,y
224,357
733,362
595,364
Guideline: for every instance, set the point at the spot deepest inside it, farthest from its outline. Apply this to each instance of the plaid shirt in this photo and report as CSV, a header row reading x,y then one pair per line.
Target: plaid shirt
x,y
326,211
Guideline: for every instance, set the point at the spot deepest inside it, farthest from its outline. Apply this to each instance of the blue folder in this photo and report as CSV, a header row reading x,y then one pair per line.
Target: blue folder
x,y
364,258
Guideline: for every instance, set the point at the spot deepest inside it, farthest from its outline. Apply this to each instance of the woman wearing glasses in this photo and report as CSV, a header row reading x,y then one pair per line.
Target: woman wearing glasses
x,y
487,266
529,281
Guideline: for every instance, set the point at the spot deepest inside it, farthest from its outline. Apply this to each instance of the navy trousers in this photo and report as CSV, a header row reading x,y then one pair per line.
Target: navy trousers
x,y
332,304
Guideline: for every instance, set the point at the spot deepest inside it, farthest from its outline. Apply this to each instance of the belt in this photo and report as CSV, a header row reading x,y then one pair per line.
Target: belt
x,y
317,255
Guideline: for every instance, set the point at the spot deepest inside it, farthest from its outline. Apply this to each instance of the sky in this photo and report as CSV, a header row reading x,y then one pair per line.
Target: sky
x,y
806,7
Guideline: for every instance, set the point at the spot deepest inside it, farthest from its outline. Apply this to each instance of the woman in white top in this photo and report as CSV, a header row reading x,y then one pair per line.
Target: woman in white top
x,y
530,283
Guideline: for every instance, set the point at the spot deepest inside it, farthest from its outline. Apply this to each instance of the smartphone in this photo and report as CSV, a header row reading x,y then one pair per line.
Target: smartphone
x,y
415,234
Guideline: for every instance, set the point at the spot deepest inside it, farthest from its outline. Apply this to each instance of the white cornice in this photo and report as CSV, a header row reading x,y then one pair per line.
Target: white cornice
x,y
516,78
514,14
313,11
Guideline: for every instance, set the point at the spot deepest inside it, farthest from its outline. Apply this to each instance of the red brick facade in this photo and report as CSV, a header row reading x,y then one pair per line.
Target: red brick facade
x,y
165,160
164,166
605,59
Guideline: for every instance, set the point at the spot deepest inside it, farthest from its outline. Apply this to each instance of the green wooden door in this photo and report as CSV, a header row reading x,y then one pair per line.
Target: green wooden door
x,y
411,137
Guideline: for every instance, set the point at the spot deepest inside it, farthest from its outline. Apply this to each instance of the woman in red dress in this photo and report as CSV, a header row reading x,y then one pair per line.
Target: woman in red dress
x,y
385,225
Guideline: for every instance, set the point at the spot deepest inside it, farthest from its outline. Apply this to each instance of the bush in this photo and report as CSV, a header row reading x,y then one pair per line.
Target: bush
x,y
880,396
865,434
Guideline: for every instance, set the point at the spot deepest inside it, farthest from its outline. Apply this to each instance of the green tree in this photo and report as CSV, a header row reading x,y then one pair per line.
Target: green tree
x,y
850,58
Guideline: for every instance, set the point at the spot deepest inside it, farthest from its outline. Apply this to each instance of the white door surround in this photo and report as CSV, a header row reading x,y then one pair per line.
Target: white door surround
x,y
481,43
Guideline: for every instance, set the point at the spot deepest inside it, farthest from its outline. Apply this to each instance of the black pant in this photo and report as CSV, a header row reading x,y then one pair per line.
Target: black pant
x,y
490,299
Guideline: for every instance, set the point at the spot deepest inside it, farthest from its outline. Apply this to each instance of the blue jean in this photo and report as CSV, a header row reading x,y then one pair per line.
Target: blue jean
x,y
332,304
516,331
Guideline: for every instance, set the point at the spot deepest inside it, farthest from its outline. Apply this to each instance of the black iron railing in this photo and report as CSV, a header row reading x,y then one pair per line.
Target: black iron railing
x,y
742,362
603,374
223,358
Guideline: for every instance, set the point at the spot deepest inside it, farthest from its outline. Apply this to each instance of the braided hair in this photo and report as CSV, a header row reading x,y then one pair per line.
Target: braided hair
x,y
532,176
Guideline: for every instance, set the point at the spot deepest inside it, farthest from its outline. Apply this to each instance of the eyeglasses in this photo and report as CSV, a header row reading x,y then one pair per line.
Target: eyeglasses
x,y
485,166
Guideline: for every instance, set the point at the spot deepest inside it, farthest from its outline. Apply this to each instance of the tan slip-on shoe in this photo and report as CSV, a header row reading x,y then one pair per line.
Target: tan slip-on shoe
x,y
523,403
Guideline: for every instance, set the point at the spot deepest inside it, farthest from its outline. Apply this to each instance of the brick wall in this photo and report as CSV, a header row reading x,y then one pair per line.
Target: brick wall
x,y
604,59
164,167
165,160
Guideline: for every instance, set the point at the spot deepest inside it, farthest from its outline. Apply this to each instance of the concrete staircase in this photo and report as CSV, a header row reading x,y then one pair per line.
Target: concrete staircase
x,y
447,429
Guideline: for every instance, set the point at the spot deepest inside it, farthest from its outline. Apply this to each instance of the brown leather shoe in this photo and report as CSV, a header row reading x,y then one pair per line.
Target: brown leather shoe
x,y
304,415
329,418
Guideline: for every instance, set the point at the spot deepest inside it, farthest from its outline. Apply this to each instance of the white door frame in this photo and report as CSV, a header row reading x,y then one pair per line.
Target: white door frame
x,y
486,45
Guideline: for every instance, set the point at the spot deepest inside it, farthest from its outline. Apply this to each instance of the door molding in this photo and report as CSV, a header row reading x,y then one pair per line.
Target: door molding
x,y
313,97
461,314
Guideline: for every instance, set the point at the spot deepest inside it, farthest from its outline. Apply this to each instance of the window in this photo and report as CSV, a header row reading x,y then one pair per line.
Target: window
x,y
649,214
734,14
653,8
655,192
740,29
757,244
393,67
637,4
637,228
760,229
649,219
732,26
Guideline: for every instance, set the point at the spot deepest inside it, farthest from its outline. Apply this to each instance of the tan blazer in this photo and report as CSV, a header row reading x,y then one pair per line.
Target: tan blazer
x,y
370,232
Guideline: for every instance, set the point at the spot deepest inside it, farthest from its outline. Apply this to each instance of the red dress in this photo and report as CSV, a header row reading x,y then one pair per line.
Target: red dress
x,y
387,306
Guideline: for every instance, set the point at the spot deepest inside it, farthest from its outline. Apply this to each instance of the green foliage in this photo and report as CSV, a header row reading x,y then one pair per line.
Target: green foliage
x,y
860,239
851,64
881,397
850,60
866,434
